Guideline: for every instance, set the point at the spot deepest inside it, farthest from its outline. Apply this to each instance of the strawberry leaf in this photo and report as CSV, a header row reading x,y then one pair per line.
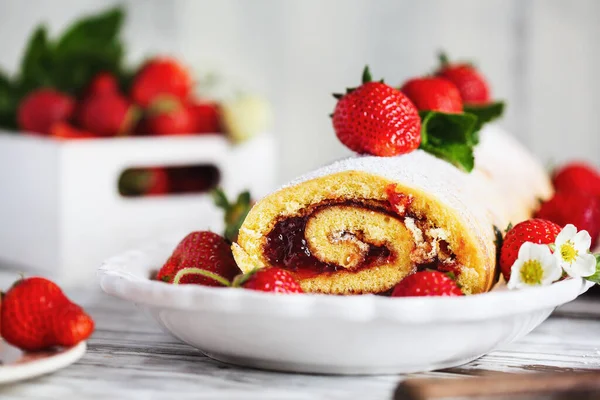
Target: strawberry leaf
x,y
366,76
235,213
450,137
485,113
596,276
8,102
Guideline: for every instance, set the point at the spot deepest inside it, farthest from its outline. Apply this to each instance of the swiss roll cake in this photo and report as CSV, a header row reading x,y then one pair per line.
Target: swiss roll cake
x,y
362,224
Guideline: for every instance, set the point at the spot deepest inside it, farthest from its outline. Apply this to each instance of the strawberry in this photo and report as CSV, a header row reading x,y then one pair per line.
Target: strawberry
x,y
64,130
107,115
144,182
101,84
37,315
471,84
271,279
377,119
426,283
201,250
40,109
207,117
579,209
536,230
169,116
160,76
194,179
577,177
431,93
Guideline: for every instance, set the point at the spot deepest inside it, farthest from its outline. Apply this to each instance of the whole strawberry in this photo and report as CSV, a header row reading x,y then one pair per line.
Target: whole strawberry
x,y
107,115
207,118
144,182
101,84
577,208
42,108
37,315
64,130
377,119
271,279
201,250
169,116
431,93
471,84
577,177
158,77
539,231
426,283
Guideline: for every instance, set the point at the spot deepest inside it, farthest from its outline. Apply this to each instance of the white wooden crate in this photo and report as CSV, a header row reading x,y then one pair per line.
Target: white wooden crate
x,y
61,213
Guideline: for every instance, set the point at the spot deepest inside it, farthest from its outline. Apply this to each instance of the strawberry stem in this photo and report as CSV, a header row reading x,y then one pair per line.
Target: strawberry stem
x,y
444,61
197,271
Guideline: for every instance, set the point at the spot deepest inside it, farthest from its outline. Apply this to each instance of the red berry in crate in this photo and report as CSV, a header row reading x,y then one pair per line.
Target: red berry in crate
x,y
104,83
426,283
36,315
169,116
158,77
577,177
271,279
535,230
40,109
377,119
471,84
207,117
107,115
436,94
64,130
579,209
144,182
201,250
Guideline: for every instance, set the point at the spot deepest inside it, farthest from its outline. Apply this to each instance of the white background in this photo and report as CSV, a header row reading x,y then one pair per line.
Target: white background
x,y
542,56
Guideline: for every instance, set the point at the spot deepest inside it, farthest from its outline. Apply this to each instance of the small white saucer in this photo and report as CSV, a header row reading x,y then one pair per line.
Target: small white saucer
x,y
18,365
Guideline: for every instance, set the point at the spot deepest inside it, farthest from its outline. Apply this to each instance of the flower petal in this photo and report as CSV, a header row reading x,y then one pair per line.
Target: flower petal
x,y
514,281
552,270
527,251
582,241
567,233
584,266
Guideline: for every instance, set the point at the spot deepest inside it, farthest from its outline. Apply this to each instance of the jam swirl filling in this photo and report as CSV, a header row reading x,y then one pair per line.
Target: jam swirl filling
x,y
286,245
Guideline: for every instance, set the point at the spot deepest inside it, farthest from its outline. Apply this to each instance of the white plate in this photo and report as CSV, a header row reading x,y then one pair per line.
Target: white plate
x,y
331,334
17,365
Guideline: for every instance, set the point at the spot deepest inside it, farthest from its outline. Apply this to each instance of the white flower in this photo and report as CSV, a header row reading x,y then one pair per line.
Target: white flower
x,y
535,266
572,252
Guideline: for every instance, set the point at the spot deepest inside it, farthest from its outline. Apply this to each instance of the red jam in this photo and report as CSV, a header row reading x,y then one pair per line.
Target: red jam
x,y
286,248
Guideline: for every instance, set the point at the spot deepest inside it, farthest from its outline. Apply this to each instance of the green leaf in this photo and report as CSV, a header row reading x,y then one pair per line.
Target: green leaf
x,y
485,113
235,213
88,47
37,63
498,241
596,276
220,199
366,76
99,30
9,102
450,137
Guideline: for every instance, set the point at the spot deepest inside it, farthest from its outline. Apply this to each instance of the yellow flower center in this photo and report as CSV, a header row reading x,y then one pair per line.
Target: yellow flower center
x,y
532,272
568,252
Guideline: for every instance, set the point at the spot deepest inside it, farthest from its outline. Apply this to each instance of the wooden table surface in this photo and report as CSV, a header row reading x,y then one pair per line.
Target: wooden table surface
x,y
129,357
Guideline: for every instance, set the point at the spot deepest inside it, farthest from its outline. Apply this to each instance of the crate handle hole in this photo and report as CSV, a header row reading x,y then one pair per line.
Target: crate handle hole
x,y
168,180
